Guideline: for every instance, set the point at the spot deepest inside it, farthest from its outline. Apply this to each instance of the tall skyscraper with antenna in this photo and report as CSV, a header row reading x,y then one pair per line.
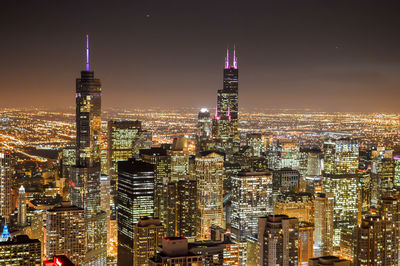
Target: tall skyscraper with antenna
x,y
225,122
85,179
21,207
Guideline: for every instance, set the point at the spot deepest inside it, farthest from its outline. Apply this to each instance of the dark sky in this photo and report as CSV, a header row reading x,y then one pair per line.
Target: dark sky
x,y
325,55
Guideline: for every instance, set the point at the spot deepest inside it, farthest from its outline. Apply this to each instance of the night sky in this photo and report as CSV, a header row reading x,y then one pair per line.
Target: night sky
x,y
323,55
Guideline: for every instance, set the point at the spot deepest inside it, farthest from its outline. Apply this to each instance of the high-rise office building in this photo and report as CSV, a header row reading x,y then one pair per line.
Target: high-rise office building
x,y
396,180
181,210
21,207
306,240
210,177
314,162
286,179
203,135
289,153
121,138
382,178
162,172
341,156
20,250
258,142
5,184
347,202
67,159
389,209
85,175
323,222
252,251
375,242
299,205
65,233
225,123
279,240
148,233
135,201
179,158
251,198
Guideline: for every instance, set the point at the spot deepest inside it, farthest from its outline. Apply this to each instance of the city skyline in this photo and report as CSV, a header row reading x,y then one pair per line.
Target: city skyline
x,y
335,56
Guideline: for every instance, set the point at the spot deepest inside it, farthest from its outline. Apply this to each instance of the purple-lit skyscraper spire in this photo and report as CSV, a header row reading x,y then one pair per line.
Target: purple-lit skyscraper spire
x,y
227,59
225,123
235,66
85,175
87,52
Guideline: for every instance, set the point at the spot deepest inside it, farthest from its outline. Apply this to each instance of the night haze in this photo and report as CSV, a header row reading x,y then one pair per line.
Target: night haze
x,y
322,55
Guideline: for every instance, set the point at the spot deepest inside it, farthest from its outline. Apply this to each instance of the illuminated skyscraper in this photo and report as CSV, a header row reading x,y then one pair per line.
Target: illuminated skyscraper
x,y
225,122
323,222
65,233
21,207
389,209
85,175
67,159
279,240
396,180
20,250
179,158
258,142
252,251
299,205
148,233
5,184
375,242
135,201
347,202
382,178
306,239
203,130
314,162
251,198
286,179
162,171
341,156
121,139
181,210
210,177
289,153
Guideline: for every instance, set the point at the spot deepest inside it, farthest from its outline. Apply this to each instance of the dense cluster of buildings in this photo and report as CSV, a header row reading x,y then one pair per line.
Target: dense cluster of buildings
x,y
236,199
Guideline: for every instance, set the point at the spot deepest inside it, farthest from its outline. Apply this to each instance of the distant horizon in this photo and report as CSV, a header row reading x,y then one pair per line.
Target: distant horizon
x,y
195,110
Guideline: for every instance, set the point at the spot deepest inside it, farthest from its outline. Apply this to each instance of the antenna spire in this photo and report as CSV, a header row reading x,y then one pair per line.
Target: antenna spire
x,y
87,52
235,66
216,113
227,59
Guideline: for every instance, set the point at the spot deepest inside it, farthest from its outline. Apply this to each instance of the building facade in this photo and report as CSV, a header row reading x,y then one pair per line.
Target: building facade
x,y
225,123
135,201
65,233
5,184
210,177
148,233
279,240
